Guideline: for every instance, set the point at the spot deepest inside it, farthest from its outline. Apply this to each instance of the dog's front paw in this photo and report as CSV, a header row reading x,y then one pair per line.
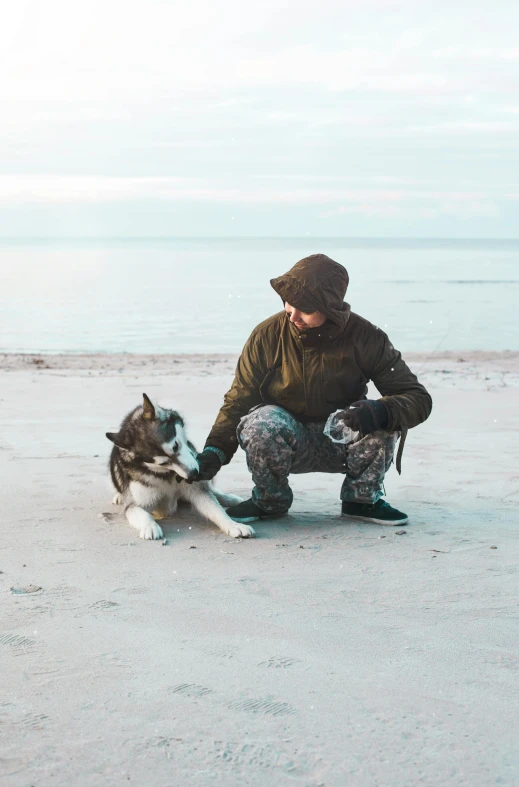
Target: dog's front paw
x,y
241,531
117,499
151,530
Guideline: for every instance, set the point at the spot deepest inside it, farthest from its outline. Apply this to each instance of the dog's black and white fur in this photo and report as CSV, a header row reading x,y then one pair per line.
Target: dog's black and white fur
x,y
150,450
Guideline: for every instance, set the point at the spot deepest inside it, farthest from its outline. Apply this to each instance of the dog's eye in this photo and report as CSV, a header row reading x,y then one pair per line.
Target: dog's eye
x,y
175,447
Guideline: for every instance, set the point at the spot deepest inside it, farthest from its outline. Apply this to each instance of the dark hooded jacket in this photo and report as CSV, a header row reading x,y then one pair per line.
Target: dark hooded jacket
x,y
313,372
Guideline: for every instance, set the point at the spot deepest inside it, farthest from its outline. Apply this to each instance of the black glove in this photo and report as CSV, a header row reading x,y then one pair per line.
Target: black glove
x,y
368,416
209,464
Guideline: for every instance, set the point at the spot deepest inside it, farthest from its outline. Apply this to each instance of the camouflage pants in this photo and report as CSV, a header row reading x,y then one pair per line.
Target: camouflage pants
x,y
277,444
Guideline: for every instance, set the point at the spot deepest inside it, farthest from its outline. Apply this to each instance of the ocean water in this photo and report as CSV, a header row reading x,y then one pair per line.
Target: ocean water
x,y
206,295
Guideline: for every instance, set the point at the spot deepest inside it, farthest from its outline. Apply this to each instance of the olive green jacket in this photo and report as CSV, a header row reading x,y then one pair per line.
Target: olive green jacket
x,y
311,373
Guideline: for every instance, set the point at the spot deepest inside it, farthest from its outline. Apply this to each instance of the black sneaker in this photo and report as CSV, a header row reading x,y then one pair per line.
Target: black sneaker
x,y
380,513
248,511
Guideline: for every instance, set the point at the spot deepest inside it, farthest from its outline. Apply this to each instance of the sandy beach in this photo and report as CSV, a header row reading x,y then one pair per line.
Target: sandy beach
x,y
320,653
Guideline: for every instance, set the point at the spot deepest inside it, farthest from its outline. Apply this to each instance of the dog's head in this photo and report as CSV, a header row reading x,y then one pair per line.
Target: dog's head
x,y
157,437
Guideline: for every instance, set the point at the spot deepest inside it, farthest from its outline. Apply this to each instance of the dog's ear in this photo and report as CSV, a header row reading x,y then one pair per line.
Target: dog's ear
x,y
118,440
149,410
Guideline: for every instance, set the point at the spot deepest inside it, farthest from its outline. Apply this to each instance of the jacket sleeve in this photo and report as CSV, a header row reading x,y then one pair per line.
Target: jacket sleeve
x,y
407,401
242,396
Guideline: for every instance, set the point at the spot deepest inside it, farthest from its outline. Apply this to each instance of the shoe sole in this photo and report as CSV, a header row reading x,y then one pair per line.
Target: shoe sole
x,y
373,521
246,520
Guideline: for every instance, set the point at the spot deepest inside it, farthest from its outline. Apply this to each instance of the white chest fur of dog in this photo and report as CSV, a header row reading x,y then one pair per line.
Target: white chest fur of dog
x,y
150,450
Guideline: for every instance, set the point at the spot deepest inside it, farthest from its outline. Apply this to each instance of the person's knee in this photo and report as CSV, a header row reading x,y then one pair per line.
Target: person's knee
x,y
376,450
376,441
267,424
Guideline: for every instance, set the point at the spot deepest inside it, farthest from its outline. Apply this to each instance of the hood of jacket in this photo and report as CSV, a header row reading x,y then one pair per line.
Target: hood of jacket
x,y
316,283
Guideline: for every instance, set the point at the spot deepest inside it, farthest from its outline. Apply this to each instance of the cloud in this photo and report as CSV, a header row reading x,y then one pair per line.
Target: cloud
x,y
411,209
459,127
58,189
129,52
387,203
380,109
481,53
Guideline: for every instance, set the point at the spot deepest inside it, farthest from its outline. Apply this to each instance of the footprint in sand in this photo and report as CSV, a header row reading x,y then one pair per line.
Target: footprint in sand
x,y
20,645
190,690
221,653
263,706
103,605
33,721
279,662
251,755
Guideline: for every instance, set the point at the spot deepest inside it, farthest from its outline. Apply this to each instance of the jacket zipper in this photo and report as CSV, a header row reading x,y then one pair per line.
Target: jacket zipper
x,y
321,364
304,379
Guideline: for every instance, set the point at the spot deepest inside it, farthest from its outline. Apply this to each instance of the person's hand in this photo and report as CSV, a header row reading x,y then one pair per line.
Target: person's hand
x,y
209,464
366,416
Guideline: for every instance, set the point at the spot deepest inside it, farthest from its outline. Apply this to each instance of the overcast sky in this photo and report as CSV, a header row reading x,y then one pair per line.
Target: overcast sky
x,y
338,117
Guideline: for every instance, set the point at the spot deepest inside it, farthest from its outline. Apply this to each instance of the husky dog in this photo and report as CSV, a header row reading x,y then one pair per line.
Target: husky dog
x,y
150,452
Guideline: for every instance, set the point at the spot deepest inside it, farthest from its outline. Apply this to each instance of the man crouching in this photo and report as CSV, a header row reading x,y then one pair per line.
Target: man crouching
x,y
297,367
